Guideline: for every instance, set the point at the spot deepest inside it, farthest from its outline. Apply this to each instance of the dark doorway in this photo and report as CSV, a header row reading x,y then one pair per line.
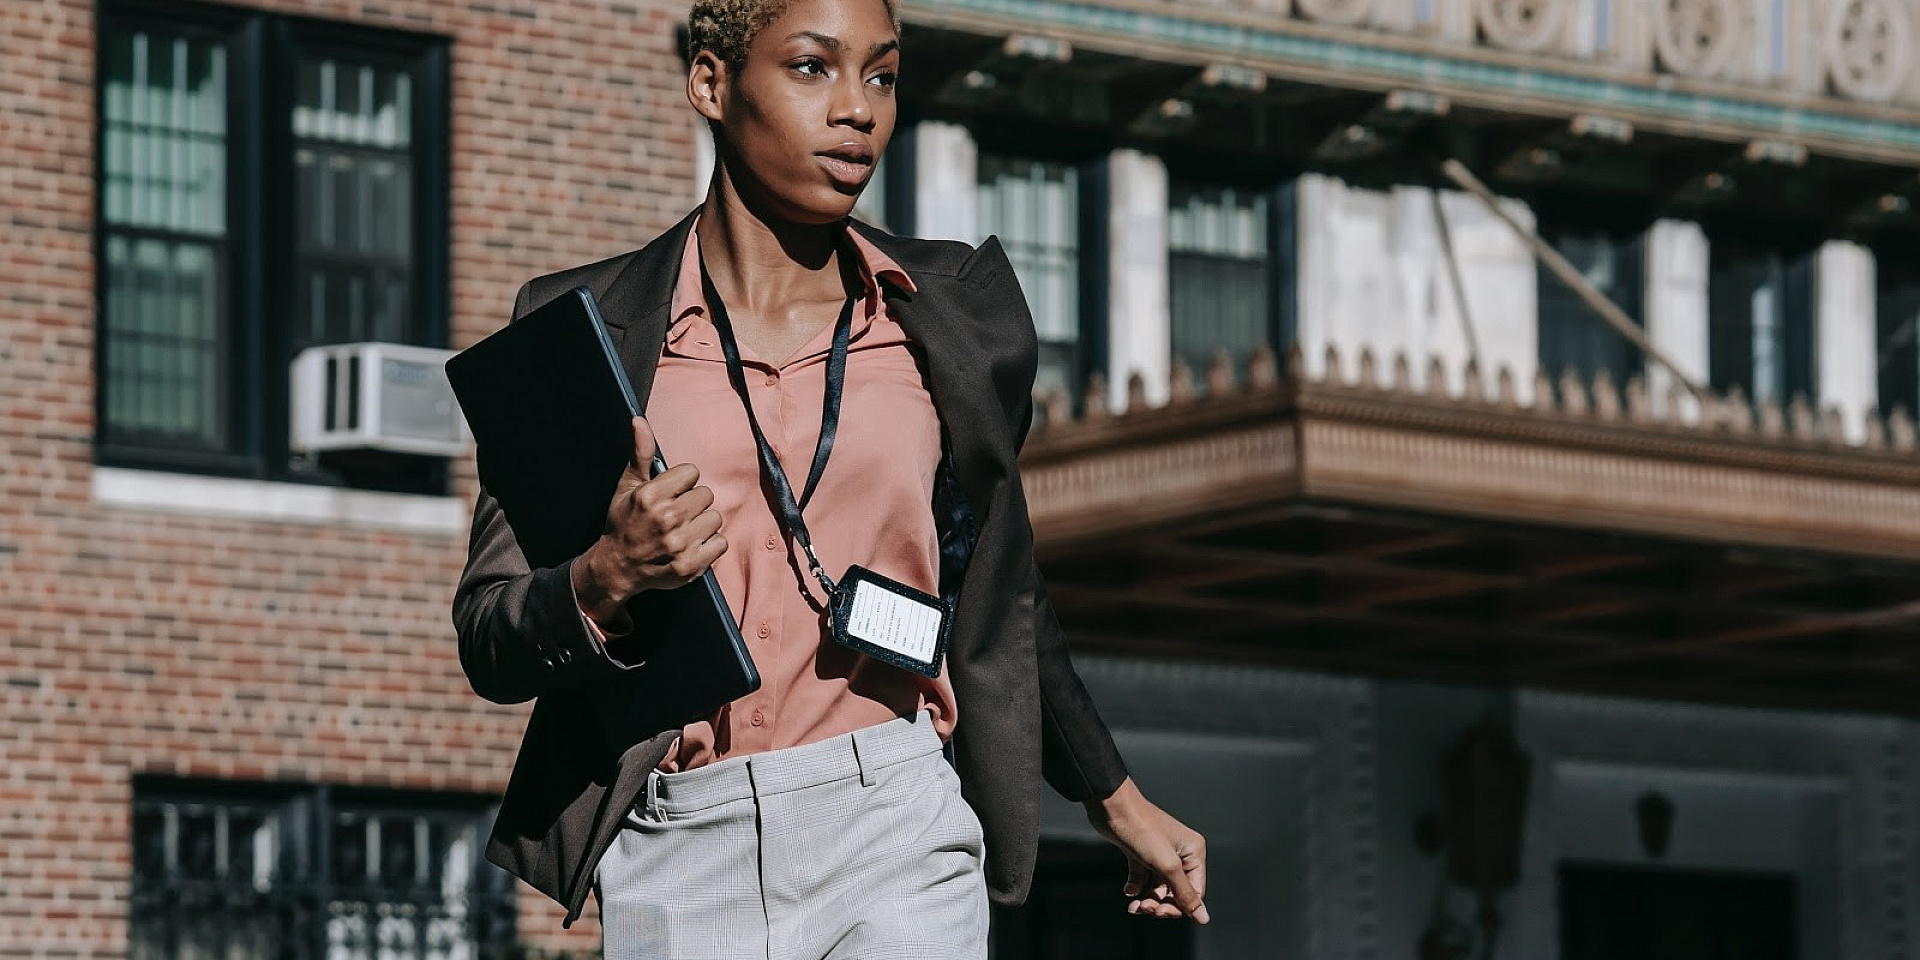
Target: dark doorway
x,y
1076,912
1610,912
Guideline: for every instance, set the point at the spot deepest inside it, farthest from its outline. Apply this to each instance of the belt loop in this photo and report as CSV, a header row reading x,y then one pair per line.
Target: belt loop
x,y
866,774
653,795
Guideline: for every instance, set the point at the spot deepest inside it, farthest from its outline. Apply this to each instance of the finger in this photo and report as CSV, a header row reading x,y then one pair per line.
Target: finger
x,y
644,446
1196,864
694,502
669,485
696,531
1136,878
1175,875
701,557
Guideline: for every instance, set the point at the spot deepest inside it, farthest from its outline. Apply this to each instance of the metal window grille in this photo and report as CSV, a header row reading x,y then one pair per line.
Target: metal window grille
x,y
231,872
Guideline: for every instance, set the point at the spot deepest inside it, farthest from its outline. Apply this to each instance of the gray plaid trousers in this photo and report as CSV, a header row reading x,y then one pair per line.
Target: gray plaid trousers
x,y
854,848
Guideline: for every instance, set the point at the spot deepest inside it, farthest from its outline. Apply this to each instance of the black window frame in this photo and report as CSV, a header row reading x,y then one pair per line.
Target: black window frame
x,y
263,50
1579,339
292,911
1730,357
1896,350
1281,267
1089,158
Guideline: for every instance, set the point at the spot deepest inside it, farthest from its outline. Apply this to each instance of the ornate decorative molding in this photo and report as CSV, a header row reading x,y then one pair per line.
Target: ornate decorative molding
x,y
1582,455
1696,38
1345,13
1868,47
1524,25
1684,67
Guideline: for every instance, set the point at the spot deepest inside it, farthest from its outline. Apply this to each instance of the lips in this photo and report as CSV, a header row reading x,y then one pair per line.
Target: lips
x,y
848,164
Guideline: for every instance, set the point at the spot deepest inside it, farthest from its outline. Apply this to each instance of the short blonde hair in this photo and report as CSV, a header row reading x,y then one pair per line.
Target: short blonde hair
x,y
726,28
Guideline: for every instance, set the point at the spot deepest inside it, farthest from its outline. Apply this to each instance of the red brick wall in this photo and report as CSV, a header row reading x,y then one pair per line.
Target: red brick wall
x,y
138,642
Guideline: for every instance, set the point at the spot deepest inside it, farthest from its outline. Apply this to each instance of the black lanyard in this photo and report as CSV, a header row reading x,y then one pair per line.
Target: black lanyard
x,y
776,477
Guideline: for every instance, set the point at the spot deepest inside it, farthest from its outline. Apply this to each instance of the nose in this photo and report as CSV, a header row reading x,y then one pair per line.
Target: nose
x,y
850,107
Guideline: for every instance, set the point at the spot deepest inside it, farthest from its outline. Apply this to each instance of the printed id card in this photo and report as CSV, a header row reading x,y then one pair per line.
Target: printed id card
x,y
890,621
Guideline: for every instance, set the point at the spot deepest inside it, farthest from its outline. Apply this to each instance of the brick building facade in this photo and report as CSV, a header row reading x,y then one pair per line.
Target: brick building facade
x,y
222,631
1355,481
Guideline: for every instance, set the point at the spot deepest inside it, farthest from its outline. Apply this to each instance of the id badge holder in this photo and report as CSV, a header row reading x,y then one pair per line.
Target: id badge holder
x,y
890,621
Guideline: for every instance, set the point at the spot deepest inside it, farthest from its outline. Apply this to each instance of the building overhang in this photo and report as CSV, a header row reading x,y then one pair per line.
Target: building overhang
x,y
1463,535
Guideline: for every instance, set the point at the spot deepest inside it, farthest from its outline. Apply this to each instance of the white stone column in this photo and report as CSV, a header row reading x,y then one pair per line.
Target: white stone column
x,y
1138,313
1847,363
1319,204
1677,304
945,168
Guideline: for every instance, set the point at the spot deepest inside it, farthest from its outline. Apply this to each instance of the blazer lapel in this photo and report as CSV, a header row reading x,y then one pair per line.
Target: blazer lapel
x,y
635,305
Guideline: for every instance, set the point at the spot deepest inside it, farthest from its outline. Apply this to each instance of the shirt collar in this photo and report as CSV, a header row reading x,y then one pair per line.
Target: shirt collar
x,y
690,299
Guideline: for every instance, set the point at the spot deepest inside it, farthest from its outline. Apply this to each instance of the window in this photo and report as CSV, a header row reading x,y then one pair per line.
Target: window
x,y
1222,272
1760,316
266,184
241,870
1034,207
1898,327
1572,335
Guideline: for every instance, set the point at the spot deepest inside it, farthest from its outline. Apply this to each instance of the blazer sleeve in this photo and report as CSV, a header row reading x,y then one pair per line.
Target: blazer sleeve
x,y
1077,756
522,633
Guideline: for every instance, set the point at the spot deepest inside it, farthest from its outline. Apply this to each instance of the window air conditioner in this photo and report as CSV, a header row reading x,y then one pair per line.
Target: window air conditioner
x,y
376,396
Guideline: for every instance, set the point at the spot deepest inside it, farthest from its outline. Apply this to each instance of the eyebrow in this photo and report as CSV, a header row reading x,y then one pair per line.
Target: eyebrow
x,y
833,43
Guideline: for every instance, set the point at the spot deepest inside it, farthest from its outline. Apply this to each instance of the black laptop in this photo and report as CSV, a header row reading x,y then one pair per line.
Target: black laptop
x,y
551,410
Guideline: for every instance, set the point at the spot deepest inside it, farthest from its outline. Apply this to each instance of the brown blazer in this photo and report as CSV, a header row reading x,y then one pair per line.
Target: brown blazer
x,y
1023,711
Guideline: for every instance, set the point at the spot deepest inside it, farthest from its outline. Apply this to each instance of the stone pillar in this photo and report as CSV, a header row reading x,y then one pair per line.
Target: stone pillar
x,y
1373,275
1138,312
1846,352
1677,305
946,163
1319,206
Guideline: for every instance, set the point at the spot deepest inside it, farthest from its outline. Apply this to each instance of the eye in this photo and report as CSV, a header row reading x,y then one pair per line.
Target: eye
x,y
810,67
885,80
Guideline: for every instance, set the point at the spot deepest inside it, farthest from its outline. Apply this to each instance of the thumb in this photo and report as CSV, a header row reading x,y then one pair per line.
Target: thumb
x,y
644,447
1184,895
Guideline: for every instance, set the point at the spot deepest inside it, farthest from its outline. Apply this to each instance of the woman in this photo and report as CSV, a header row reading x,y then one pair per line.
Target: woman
x,y
818,816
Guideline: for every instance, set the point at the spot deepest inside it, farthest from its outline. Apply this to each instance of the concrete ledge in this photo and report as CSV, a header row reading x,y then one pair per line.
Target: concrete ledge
x,y
286,502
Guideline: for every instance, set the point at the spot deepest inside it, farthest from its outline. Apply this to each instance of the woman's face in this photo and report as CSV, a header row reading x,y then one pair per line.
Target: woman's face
x,y
805,119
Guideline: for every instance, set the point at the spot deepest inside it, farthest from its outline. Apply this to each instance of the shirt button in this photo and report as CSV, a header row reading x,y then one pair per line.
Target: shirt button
x,y
758,719
773,544
765,630
773,380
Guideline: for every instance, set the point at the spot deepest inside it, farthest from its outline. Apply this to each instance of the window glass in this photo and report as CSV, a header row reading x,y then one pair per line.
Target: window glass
x,y
1760,335
1219,271
1897,323
1033,206
354,182
1573,336
163,207
203,311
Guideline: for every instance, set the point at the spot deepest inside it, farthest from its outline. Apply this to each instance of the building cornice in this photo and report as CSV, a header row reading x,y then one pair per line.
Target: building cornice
x,y
1476,76
1716,472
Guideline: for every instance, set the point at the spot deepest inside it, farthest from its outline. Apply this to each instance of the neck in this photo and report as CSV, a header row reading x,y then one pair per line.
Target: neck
x,y
760,263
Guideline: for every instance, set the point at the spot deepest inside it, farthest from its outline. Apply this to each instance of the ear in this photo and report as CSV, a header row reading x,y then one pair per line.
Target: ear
x,y
707,80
